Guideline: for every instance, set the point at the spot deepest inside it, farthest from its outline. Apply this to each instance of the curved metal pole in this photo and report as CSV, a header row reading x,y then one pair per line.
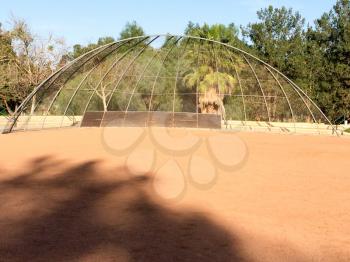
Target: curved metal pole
x,y
307,106
217,80
104,47
284,92
274,69
242,95
63,85
262,90
52,78
80,85
159,71
109,69
127,68
24,103
240,86
138,82
67,66
314,104
256,58
75,92
83,80
177,75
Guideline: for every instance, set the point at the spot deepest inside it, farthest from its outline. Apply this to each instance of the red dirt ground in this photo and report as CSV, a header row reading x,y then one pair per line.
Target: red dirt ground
x,y
67,195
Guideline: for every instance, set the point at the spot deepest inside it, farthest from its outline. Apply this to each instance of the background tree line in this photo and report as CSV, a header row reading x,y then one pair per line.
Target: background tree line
x,y
316,57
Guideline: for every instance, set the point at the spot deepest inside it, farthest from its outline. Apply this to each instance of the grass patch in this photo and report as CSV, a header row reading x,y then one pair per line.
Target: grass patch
x,y
347,130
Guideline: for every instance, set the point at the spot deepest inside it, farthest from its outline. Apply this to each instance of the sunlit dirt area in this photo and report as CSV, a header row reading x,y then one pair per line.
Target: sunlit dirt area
x,y
132,194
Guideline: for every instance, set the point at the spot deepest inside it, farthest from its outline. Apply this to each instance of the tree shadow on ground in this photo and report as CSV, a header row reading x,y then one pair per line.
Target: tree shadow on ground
x,y
57,211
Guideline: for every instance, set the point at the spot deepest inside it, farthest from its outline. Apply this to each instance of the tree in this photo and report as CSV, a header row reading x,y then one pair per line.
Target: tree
x,y
210,75
79,50
7,54
330,39
212,86
278,37
103,84
131,29
26,61
219,32
103,88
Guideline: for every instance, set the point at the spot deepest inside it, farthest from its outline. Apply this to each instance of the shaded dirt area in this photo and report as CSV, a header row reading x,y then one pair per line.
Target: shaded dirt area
x,y
52,212
65,197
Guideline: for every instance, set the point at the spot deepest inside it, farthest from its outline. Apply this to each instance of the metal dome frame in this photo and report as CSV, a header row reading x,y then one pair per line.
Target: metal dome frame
x,y
307,101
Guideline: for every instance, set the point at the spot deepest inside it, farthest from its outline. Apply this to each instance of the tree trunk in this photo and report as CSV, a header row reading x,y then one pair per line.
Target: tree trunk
x,y
104,103
33,105
222,110
8,109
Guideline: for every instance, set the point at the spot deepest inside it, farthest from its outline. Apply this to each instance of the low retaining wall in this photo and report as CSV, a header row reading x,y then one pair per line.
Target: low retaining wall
x,y
284,127
36,122
39,122
161,119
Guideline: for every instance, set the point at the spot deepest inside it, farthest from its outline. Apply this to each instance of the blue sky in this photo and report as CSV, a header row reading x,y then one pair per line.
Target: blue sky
x,y
83,21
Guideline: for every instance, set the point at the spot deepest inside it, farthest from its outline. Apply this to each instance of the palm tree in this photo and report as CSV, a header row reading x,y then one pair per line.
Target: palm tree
x,y
211,87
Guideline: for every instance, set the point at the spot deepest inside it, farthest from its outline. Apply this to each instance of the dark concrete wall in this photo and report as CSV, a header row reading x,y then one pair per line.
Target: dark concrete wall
x,y
162,119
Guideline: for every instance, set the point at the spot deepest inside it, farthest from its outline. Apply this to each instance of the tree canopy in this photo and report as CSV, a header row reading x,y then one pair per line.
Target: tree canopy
x,y
131,29
315,56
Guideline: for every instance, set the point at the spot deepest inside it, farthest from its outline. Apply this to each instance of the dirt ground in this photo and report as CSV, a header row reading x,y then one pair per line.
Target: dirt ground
x,y
128,194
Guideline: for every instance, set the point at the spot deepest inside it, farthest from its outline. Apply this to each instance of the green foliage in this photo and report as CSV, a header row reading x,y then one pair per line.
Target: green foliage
x,y
218,32
211,86
79,50
211,72
278,37
206,78
6,50
24,62
7,54
316,57
132,29
329,45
